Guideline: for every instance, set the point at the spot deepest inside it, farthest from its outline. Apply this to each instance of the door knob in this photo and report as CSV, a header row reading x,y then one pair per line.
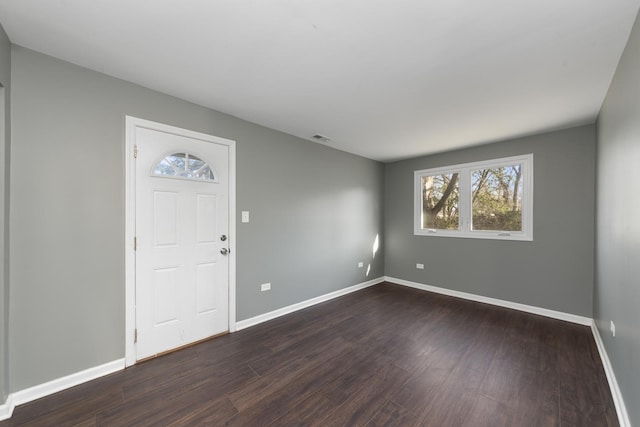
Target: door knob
x,y
224,251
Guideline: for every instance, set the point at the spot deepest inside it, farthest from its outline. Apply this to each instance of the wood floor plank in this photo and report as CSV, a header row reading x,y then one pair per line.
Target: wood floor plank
x,y
210,413
342,388
387,355
420,391
315,325
271,407
226,379
154,410
315,407
538,401
165,405
580,402
288,374
392,415
486,412
450,407
309,347
366,401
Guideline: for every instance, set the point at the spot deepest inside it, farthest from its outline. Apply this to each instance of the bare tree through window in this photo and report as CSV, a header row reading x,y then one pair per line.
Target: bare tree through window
x,y
440,197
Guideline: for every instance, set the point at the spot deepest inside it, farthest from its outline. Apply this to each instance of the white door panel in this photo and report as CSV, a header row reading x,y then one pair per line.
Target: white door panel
x,y
182,278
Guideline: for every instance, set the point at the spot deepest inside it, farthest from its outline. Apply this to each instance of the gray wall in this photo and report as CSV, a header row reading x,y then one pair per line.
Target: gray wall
x,y
617,285
5,82
554,271
315,212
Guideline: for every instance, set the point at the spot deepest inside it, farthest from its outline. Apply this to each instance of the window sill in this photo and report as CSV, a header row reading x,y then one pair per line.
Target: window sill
x,y
487,235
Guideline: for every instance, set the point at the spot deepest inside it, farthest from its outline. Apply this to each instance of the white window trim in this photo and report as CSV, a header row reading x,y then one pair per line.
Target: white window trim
x,y
465,200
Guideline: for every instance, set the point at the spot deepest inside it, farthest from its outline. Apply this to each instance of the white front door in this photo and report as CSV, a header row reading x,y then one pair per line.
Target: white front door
x,y
182,240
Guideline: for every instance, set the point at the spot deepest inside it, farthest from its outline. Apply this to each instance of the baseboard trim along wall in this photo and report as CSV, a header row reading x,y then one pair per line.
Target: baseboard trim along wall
x,y
581,320
54,386
6,410
253,321
618,401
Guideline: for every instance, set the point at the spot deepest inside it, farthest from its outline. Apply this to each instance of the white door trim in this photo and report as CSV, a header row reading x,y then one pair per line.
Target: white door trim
x,y
131,123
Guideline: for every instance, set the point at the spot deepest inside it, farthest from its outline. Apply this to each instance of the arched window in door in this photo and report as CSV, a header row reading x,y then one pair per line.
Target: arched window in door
x,y
184,166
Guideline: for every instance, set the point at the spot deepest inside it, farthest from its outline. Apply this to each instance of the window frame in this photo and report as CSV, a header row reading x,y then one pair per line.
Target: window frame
x,y
465,208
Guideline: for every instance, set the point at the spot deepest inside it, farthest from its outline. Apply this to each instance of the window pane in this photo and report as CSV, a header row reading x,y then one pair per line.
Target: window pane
x,y
203,173
497,198
177,161
164,168
194,163
184,165
440,196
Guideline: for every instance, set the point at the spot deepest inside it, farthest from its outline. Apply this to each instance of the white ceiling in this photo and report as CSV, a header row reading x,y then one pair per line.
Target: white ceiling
x,y
384,79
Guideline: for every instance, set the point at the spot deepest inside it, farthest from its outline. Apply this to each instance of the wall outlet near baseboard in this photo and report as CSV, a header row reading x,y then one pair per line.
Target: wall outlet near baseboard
x,y
265,287
613,328
420,266
360,264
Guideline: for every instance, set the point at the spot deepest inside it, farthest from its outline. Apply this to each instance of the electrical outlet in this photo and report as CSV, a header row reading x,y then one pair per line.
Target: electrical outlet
x,y
360,264
420,266
613,328
265,287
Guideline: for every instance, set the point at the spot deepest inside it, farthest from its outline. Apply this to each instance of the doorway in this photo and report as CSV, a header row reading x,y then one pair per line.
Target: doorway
x,y
180,285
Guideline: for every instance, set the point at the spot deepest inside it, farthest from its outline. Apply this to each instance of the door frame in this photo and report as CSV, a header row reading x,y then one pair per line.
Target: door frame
x,y
131,124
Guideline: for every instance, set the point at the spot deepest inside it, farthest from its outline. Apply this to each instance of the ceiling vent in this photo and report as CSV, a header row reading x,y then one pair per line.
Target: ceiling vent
x,y
321,138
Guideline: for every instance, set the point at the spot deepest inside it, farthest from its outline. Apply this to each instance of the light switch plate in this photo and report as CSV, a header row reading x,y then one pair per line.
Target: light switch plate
x,y
245,216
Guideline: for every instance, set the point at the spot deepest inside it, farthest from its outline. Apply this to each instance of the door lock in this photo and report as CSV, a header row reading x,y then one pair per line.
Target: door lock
x,y
223,237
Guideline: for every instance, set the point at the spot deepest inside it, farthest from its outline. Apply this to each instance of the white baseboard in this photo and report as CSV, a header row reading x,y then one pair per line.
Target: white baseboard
x,y
36,392
42,390
618,401
252,321
54,386
494,301
6,409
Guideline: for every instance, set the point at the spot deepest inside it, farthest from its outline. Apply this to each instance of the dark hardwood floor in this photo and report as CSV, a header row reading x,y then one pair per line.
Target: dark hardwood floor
x,y
384,356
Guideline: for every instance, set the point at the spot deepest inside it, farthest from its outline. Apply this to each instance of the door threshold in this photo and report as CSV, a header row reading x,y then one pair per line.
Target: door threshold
x,y
182,347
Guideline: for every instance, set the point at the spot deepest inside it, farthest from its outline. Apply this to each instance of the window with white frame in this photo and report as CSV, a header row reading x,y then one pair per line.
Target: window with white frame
x,y
492,199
